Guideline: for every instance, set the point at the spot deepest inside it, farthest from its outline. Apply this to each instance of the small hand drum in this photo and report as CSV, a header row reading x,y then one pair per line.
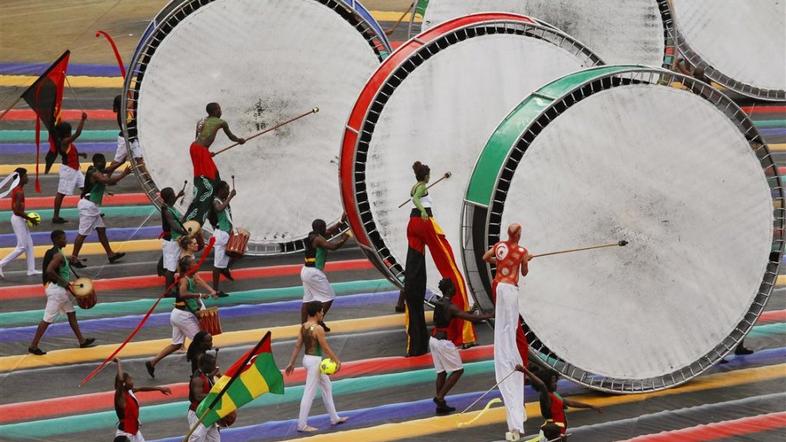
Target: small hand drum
x,y
236,246
84,293
209,320
192,227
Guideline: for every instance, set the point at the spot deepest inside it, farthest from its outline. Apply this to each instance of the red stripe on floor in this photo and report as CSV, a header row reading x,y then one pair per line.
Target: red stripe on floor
x,y
773,316
69,114
764,109
105,287
88,403
46,202
719,430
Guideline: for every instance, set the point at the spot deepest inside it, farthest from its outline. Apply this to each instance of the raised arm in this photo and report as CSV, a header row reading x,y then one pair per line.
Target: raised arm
x,y
420,192
120,403
68,140
230,135
295,351
218,205
319,241
543,392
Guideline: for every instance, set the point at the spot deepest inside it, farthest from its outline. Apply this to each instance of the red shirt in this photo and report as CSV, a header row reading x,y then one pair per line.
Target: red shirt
x,y
18,196
71,157
509,257
558,411
203,162
130,421
206,386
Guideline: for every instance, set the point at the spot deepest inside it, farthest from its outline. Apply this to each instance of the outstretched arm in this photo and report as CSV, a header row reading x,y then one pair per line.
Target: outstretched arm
x,y
164,390
107,178
230,135
458,313
205,285
577,404
319,241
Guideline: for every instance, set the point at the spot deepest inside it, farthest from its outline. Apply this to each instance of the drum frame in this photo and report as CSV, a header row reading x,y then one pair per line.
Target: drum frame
x,y
486,195
164,23
393,71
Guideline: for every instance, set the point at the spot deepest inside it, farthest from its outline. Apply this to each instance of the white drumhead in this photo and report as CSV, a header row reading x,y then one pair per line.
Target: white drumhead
x,y
667,171
618,32
442,114
264,61
742,39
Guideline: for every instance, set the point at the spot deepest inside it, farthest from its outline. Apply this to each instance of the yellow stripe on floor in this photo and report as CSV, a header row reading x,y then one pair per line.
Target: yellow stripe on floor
x,y
6,169
393,16
443,424
777,147
77,81
152,347
94,248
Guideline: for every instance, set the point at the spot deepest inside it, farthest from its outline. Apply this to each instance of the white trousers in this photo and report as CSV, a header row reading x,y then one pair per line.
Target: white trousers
x,y
132,437
24,243
202,434
220,257
314,379
506,355
316,286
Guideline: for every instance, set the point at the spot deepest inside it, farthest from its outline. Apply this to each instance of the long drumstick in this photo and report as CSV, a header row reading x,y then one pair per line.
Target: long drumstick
x,y
622,243
182,192
487,392
233,182
312,111
447,175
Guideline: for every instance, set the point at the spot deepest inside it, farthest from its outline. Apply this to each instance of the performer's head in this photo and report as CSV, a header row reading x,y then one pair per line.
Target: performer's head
x,y
58,238
188,244
168,195
116,104
126,382
63,130
213,109
207,364
222,190
319,226
422,171
202,342
314,310
185,264
99,161
22,172
550,379
447,288
514,233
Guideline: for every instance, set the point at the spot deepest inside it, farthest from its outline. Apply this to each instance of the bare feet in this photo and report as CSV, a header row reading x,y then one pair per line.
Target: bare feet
x,y
307,429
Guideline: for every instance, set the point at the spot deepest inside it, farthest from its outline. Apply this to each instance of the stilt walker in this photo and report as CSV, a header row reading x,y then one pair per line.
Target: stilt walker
x,y
423,231
509,257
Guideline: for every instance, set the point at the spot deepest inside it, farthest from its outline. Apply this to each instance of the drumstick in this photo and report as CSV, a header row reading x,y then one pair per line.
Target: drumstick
x,y
447,175
622,243
183,190
233,182
312,111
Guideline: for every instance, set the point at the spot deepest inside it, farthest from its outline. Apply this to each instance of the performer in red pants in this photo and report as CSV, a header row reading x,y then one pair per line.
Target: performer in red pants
x,y
423,231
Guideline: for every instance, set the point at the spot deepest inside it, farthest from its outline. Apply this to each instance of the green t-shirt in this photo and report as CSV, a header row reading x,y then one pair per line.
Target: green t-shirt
x,y
224,219
96,189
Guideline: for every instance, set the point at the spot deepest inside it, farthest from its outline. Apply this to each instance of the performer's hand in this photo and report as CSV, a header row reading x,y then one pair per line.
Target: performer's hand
x,y
84,116
424,216
33,221
520,368
232,193
212,154
165,390
180,194
289,370
529,257
242,141
127,170
115,360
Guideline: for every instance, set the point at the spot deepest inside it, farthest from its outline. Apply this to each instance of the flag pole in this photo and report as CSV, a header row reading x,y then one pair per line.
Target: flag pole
x,y
73,92
250,355
10,107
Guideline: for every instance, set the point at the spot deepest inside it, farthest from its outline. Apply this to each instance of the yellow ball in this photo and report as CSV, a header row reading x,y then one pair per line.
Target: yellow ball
x,y
35,216
328,366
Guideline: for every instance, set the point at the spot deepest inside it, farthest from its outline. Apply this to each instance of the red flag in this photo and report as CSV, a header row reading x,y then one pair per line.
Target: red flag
x,y
44,97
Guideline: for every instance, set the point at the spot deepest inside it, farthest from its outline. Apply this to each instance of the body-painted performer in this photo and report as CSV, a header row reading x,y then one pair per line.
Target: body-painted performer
x,y
312,336
183,317
316,286
127,405
19,220
98,177
443,351
202,380
511,260
122,152
57,280
206,176
173,231
222,228
423,231
70,176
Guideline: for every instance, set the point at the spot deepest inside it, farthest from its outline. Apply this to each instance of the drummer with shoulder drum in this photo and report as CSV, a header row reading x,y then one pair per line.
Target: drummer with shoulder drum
x,y
316,286
222,224
206,177
173,231
57,278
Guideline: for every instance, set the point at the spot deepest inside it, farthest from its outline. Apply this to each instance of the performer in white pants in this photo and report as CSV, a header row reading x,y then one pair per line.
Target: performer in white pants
x,y
19,220
122,151
221,217
316,286
312,335
201,382
70,175
509,257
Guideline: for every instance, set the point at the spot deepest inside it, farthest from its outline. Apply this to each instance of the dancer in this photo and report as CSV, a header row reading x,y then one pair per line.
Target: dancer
x,y
203,341
122,152
69,176
510,259
173,230
221,218
127,405
57,280
316,286
98,177
202,381
183,317
19,220
312,335
188,246
206,175
423,231
444,352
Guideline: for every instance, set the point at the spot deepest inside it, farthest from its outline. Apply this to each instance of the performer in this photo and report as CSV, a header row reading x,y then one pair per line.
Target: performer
x,y
188,246
98,177
70,175
57,280
183,317
202,381
316,286
121,153
510,259
443,351
221,219
423,231
19,220
173,231
205,172
203,341
127,405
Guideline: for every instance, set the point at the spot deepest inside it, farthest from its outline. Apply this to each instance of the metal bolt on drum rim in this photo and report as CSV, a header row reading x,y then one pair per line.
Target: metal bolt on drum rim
x,y
485,202
165,21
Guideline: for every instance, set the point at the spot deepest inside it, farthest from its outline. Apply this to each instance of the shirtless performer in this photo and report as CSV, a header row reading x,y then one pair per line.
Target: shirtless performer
x,y
510,259
206,176
312,335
